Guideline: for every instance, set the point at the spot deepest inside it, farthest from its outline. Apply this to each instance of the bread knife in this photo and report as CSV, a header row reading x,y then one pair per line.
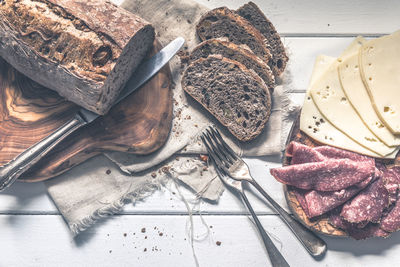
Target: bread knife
x,y
10,171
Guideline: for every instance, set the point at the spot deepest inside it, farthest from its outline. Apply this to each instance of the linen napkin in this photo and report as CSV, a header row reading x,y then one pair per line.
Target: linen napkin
x,y
98,188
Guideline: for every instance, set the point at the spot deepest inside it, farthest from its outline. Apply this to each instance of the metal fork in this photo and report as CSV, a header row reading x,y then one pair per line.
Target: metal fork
x,y
277,260
229,163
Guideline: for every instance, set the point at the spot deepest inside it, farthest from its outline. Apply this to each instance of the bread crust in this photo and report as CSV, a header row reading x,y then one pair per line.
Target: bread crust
x,y
266,73
251,73
78,48
250,29
276,47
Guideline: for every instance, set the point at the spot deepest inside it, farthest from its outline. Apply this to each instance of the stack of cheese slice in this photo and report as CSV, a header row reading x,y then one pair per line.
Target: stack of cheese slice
x,y
353,102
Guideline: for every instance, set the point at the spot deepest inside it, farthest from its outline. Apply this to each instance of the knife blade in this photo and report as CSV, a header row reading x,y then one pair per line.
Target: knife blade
x,y
10,171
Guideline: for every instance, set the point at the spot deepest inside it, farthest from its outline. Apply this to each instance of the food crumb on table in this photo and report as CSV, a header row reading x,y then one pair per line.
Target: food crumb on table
x,y
143,230
218,243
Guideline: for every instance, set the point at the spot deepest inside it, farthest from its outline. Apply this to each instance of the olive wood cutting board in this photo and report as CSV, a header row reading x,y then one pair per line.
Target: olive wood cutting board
x,y
319,224
140,124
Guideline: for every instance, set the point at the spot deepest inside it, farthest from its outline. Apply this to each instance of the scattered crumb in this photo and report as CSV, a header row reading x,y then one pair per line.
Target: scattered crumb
x,y
134,233
145,249
143,230
211,226
173,193
154,175
108,234
110,251
108,171
125,234
165,169
189,21
155,227
160,234
204,158
145,237
218,243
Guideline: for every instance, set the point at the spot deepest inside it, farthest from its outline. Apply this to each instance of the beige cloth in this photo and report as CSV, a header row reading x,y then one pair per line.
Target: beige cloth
x,y
87,192
98,188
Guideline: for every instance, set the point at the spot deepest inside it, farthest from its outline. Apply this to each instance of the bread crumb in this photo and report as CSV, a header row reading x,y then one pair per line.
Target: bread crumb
x,y
108,171
160,234
204,158
218,243
125,234
145,249
165,169
154,175
143,230
110,251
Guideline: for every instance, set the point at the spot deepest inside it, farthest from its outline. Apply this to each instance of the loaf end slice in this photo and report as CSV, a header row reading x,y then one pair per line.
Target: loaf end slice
x,y
232,51
233,94
86,50
256,17
222,22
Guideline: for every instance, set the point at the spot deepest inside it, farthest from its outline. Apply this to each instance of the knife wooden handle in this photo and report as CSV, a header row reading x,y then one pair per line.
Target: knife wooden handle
x,y
10,171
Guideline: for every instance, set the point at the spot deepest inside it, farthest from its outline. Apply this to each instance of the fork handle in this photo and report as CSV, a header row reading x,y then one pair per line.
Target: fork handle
x,y
314,244
277,260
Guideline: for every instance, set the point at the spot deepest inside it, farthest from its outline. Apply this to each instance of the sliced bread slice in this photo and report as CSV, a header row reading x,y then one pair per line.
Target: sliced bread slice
x,y
256,17
222,22
233,94
232,51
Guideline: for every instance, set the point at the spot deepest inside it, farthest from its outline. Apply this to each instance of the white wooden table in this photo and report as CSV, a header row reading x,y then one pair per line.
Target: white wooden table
x,y
33,233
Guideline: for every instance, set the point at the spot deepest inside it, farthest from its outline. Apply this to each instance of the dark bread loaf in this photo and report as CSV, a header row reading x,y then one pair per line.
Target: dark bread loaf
x,y
222,22
235,52
233,94
256,17
86,50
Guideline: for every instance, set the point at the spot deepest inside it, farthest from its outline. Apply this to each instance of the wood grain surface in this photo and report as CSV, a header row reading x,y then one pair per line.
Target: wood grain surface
x,y
140,124
319,224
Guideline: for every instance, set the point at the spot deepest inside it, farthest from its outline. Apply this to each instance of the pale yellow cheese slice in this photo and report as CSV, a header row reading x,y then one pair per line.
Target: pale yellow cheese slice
x,y
331,101
379,61
357,95
317,127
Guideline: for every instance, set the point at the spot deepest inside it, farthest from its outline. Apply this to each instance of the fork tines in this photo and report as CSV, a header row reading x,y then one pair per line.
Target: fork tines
x,y
218,149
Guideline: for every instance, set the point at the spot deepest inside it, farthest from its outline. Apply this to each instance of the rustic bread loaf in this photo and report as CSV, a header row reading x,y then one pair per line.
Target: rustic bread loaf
x,y
256,17
222,22
233,94
86,50
232,51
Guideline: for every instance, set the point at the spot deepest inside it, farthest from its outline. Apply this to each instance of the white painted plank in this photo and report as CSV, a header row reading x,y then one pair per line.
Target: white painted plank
x,y
32,198
316,17
42,240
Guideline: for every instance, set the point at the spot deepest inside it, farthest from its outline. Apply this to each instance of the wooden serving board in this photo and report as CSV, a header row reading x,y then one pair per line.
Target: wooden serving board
x,y
28,112
319,224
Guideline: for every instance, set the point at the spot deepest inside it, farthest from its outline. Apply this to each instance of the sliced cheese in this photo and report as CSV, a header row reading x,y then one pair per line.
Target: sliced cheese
x,y
380,70
316,126
357,95
331,101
